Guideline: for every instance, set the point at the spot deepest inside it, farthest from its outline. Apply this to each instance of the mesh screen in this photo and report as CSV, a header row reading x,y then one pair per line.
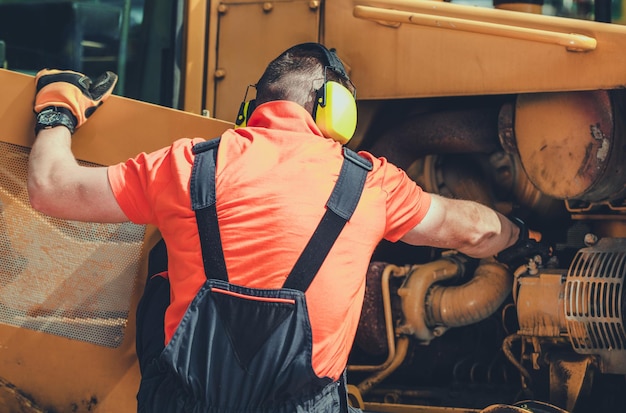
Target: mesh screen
x,y
65,278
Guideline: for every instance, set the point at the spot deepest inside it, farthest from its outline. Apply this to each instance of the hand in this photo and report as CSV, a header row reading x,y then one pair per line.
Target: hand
x,y
72,91
527,246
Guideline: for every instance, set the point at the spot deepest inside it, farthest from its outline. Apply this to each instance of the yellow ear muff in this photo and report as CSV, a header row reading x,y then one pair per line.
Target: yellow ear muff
x,y
335,112
245,110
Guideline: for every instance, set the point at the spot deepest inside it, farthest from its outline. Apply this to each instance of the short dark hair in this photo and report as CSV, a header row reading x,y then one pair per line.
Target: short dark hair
x,y
296,75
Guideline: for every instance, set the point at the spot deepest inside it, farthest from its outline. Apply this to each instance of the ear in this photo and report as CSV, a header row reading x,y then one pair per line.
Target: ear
x,y
335,112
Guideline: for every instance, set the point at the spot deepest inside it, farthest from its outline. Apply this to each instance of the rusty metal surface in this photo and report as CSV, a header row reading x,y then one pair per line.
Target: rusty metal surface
x,y
570,376
371,333
570,145
12,400
427,129
540,304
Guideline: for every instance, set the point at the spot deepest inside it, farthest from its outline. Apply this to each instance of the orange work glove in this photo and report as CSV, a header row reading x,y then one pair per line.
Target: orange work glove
x,y
73,91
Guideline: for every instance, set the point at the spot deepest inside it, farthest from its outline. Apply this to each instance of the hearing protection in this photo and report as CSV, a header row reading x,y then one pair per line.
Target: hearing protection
x,y
245,110
334,111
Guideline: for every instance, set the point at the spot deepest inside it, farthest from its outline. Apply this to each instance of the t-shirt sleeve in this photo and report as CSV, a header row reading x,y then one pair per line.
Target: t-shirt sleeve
x,y
406,202
140,182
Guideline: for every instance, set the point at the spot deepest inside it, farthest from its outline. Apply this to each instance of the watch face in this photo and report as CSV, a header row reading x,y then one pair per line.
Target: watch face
x,y
52,117
49,117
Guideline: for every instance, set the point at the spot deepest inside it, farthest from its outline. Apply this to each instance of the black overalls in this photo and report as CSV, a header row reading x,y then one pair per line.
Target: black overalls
x,y
240,349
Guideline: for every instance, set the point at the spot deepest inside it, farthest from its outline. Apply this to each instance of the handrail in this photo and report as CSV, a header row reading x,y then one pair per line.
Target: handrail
x,y
573,42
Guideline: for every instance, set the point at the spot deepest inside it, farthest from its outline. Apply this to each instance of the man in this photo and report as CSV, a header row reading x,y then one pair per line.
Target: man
x,y
228,346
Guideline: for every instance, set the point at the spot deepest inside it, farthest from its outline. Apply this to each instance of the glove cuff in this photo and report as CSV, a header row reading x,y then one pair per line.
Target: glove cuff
x,y
52,116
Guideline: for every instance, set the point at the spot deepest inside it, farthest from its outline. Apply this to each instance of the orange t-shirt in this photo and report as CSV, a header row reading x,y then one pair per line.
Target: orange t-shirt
x,y
273,179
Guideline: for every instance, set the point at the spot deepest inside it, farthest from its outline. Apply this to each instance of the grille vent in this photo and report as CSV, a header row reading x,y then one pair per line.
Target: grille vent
x,y
64,278
594,299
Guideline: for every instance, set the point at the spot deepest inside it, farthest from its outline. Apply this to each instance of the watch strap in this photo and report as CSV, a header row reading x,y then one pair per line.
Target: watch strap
x,y
55,116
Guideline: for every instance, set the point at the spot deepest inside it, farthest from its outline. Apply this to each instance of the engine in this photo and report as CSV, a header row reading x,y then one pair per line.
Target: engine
x,y
441,329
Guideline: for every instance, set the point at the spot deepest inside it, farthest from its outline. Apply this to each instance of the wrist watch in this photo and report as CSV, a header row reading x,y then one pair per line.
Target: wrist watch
x,y
55,116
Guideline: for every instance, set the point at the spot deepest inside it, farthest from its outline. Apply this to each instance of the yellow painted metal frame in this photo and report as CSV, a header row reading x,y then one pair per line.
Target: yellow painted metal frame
x,y
251,34
438,55
57,373
196,47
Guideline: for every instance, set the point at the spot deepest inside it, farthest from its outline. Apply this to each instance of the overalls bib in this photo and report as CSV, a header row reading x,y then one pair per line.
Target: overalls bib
x,y
240,349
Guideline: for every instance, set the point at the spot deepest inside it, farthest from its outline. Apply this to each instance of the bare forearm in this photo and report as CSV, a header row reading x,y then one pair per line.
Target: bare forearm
x,y
58,186
489,235
466,226
50,164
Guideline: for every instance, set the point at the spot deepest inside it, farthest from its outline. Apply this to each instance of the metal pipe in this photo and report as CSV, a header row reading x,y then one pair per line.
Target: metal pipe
x,y
391,345
414,296
401,350
473,301
507,344
430,309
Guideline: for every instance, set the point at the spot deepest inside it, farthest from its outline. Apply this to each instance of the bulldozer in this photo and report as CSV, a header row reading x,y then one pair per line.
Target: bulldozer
x,y
516,104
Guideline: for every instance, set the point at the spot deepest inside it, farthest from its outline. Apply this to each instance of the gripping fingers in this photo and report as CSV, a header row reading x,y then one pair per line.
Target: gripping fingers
x,y
103,86
73,91
527,246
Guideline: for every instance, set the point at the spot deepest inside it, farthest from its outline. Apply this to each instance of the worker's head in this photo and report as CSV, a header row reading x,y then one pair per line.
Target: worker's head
x,y
314,77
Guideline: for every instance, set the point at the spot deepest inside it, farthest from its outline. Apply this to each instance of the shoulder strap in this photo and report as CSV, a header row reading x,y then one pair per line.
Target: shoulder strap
x,y
340,207
202,188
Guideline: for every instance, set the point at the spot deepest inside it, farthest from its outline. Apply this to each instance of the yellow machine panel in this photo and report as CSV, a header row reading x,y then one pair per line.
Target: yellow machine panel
x,y
69,290
421,48
517,104
243,27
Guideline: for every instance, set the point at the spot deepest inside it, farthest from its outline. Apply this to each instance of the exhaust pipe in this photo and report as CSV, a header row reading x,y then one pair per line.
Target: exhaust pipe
x,y
429,309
